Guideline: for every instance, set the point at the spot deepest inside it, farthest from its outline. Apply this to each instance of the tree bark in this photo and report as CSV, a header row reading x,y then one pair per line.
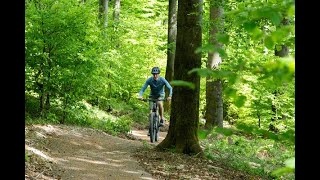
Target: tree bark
x,y
219,102
184,119
214,106
116,12
103,11
172,33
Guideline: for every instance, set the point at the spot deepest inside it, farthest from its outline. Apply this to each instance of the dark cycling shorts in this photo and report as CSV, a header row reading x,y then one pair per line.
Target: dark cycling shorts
x,y
151,103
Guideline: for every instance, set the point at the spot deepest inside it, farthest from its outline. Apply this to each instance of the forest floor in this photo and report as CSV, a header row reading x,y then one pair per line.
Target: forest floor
x,y
72,152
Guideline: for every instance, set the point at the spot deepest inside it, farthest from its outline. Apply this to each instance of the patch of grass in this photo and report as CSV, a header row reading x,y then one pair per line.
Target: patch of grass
x,y
146,145
167,167
26,156
202,134
81,114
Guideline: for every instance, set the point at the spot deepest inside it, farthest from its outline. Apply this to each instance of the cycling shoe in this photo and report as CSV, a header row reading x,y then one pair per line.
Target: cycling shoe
x,y
161,123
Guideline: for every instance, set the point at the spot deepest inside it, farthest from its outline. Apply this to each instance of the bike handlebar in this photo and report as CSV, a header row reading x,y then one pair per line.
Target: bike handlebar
x,y
150,99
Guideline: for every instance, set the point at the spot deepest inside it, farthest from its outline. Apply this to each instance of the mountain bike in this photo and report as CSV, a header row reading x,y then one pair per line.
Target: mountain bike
x,y
154,119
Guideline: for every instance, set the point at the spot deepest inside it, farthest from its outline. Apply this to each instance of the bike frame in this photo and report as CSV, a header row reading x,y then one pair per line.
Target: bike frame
x,y
154,120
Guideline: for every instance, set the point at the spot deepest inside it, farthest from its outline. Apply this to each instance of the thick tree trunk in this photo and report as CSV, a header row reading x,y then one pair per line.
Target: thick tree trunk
x,y
214,110
219,102
184,119
172,33
210,112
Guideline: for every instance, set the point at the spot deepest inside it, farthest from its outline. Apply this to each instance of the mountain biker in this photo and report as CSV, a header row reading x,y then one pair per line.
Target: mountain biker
x,y
156,84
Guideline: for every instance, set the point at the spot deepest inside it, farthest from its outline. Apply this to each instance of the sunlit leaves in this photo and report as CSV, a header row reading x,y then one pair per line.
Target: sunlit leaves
x,y
289,168
202,134
63,35
281,70
257,33
240,100
201,72
210,48
223,38
225,131
249,26
231,92
268,12
255,17
269,42
182,83
291,10
215,74
148,13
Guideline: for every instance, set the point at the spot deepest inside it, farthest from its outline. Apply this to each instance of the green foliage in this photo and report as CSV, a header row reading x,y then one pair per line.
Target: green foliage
x,y
31,106
244,152
72,60
26,156
202,134
289,168
182,83
225,131
146,144
287,136
115,127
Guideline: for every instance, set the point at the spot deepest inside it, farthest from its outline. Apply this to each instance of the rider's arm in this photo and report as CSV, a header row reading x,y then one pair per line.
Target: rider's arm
x,y
144,87
168,86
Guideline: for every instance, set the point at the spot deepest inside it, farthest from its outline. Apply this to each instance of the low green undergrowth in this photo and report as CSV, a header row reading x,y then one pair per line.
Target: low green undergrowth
x,y
253,153
81,114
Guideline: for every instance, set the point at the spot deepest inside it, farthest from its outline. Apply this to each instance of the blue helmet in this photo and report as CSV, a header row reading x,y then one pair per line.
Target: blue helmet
x,y
155,70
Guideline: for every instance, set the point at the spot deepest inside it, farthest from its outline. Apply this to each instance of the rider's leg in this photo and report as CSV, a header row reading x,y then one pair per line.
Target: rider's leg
x,y
160,104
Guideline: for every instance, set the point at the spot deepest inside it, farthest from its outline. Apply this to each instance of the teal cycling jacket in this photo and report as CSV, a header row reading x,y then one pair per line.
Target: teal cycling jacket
x,y
156,87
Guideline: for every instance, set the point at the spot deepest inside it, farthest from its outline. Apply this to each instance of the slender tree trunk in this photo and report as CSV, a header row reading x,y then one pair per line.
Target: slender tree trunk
x,y
41,98
172,33
47,102
67,94
66,101
214,106
114,37
184,119
103,11
40,89
282,52
48,82
116,12
106,8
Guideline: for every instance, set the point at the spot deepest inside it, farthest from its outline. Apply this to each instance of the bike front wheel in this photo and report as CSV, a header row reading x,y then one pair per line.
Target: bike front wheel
x,y
156,127
152,127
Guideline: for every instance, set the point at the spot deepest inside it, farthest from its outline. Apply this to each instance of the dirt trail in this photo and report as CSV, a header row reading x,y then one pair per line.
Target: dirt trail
x,y
75,153
67,152
142,135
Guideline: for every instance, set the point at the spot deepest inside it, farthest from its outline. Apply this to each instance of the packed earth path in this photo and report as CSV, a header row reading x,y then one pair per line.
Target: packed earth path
x,y
71,152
